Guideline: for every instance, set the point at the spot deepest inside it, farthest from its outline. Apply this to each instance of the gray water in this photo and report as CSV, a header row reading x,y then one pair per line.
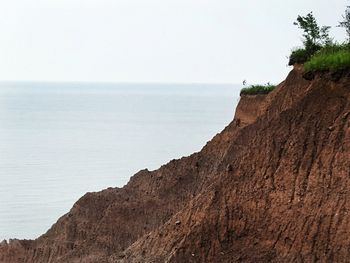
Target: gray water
x,y
59,141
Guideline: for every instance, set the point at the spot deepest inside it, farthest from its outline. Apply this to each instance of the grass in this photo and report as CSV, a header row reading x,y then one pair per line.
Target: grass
x,y
330,57
257,89
336,57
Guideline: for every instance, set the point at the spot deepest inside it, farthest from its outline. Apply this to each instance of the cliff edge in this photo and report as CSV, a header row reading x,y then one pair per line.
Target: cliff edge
x,y
271,187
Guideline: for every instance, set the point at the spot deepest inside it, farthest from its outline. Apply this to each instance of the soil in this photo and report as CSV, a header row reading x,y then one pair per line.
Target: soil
x,y
273,186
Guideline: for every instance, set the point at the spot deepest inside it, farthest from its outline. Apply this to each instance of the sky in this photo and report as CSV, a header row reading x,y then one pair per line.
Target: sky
x,y
170,41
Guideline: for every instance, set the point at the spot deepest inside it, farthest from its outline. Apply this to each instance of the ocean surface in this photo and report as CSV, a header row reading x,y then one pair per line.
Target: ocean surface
x,y
61,140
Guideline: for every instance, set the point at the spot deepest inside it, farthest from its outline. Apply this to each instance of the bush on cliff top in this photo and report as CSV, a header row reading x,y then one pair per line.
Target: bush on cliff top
x,y
302,55
257,89
333,57
319,52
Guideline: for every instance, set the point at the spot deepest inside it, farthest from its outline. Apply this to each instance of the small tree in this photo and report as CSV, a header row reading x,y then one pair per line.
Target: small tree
x,y
346,22
311,30
324,36
314,36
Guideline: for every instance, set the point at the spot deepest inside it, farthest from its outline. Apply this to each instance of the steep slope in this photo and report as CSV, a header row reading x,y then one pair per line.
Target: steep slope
x,y
273,186
285,198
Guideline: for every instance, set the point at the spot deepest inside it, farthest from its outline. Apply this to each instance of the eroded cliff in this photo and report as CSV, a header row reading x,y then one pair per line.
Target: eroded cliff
x,y
271,187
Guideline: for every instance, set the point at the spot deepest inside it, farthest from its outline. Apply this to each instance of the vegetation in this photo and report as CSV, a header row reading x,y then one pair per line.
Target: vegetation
x,y
335,57
319,52
346,22
301,55
257,89
314,35
313,38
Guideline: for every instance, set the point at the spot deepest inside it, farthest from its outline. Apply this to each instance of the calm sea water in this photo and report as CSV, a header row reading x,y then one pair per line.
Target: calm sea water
x,y
59,141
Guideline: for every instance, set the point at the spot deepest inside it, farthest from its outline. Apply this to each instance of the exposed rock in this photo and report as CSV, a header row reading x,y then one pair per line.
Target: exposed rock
x,y
287,200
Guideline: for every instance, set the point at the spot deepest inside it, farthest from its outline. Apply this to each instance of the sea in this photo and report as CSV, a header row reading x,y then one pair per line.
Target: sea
x,y
61,140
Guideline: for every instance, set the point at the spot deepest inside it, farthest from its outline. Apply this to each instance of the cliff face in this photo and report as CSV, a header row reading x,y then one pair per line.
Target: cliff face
x,y
273,186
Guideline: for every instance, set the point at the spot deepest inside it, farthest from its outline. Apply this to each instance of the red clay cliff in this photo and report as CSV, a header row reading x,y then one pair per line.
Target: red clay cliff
x,y
273,186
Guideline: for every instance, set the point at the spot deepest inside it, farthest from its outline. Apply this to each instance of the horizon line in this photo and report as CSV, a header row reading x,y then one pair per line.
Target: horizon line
x,y
119,82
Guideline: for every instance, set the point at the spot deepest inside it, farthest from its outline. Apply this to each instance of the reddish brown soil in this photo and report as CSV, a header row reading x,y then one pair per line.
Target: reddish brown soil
x,y
274,186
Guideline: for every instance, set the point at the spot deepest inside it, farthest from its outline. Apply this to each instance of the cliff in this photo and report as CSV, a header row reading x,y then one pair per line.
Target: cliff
x,y
271,187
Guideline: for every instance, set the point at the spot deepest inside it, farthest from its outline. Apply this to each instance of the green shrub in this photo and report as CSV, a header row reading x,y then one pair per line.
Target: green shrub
x,y
302,55
333,57
257,89
298,56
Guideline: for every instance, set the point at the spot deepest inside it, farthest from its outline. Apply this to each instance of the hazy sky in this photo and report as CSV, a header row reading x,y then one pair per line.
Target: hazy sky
x,y
222,41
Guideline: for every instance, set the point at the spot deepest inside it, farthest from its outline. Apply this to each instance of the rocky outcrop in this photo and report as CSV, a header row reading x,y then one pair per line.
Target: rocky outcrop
x,y
271,187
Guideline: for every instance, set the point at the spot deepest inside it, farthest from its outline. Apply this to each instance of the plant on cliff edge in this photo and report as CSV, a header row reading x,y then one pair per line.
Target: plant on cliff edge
x,y
313,38
314,35
333,57
257,89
